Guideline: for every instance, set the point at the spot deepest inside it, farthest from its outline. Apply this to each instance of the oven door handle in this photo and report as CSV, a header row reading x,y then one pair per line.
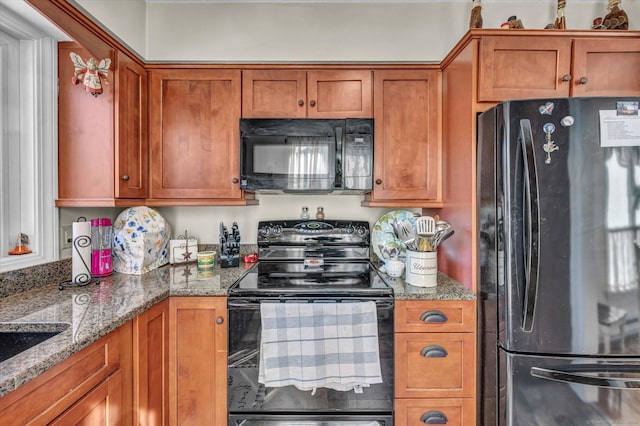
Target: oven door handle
x,y
253,304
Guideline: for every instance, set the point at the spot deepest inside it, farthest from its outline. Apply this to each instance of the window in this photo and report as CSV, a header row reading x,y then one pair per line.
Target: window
x,y
28,139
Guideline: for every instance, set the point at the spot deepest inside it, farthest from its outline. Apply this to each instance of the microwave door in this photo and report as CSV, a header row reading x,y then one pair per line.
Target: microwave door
x,y
311,163
288,163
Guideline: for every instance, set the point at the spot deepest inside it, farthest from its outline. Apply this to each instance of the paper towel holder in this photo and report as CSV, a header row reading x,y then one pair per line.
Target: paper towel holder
x,y
79,242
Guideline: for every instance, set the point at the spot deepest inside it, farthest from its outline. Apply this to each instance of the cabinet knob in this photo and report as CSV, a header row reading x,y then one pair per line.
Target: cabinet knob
x,y
433,316
235,180
566,77
300,102
125,177
378,181
312,103
434,418
219,320
583,80
434,351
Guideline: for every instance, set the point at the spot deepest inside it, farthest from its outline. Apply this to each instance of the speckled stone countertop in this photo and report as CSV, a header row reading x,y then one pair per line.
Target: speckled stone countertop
x,y
91,312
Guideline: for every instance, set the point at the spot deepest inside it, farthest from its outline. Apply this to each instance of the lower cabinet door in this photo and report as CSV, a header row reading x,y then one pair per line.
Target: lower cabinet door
x,y
151,358
101,406
449,411
197,361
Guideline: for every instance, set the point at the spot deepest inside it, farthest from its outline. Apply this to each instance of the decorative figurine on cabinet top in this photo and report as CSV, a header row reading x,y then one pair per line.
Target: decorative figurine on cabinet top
x,y
617,18
560,23
513,23
476,15
91,74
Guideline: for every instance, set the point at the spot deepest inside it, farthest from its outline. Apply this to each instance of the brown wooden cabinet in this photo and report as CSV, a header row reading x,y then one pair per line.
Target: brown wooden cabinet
x,y
198,361
102,140
151,369
132,139
435,358
407,158
92,387
194,155
285,93
541,66
98,407
607,67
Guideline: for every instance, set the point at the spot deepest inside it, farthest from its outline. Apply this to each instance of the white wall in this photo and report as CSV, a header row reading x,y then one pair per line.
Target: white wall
x,y
330,32
125,19
317,31
203,221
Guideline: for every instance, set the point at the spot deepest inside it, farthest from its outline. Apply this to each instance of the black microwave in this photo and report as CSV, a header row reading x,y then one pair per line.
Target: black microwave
x,y
306,155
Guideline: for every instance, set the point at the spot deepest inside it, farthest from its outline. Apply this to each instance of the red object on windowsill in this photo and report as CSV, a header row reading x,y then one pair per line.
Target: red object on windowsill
x,y
21,245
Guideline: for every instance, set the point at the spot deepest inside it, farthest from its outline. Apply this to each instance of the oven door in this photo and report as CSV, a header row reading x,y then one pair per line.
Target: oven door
x,y
314,420
247,396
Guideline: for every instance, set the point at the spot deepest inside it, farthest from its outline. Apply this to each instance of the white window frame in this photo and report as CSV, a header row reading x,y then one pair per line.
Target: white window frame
x,y
28,116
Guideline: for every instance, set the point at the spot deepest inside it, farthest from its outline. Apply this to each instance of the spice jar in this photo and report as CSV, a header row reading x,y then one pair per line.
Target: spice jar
x,y
304,214
320,213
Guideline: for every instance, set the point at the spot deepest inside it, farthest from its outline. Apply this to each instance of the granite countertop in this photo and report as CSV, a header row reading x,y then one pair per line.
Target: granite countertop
x,y
93,311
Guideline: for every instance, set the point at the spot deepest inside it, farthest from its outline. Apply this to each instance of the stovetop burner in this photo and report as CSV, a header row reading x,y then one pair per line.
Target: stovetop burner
x,y
290,278
312,258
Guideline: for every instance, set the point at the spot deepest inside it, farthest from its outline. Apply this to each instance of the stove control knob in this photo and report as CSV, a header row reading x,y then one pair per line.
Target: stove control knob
x,y
277,230
361,231
349,229
265,231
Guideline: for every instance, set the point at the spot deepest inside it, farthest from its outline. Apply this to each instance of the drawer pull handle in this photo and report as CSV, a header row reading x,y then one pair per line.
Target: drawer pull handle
x,y
433,316
434,351
434,418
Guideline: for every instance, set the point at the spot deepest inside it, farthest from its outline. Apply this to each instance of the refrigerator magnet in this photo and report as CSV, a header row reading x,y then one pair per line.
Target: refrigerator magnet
x,y
567,121
547,108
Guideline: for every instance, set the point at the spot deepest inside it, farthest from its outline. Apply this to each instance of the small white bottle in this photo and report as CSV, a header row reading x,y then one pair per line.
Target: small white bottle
x,y
304,214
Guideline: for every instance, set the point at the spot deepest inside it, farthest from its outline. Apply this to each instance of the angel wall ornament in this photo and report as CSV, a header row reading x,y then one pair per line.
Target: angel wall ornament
x,y
91,74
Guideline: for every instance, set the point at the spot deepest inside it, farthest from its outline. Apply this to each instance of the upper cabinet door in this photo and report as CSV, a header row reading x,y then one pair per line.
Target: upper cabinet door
x,y
307,94
407,157
606,67
523,67
85,137
131,118
274,94
340,94
194,134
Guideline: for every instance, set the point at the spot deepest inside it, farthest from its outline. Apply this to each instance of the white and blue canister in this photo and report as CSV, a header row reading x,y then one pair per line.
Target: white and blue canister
x,y
421,268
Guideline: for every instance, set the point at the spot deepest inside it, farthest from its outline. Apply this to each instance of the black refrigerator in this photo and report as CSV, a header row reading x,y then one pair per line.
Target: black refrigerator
x,y
558,190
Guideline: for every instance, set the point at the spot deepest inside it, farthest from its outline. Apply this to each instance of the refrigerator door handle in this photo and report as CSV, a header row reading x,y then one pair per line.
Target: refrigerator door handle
x,y
532,226
582,378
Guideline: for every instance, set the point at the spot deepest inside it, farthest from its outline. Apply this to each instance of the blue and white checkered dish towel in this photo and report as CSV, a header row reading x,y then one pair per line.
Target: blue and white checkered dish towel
x,y
312,345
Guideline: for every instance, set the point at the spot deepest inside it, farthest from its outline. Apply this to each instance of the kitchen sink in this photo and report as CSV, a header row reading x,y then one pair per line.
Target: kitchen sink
x,y
18,337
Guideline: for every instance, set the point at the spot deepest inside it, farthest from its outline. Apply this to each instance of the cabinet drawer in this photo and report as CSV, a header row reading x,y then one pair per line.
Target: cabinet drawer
x,y
450,411
45,397
434,365
435,316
